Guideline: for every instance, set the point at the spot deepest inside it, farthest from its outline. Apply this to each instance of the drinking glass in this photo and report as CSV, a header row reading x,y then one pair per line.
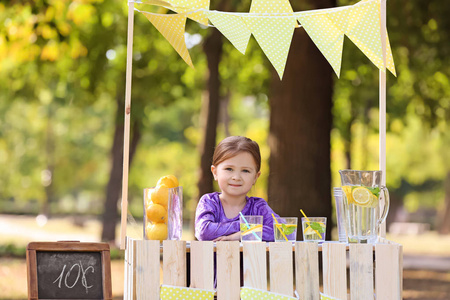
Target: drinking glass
x,y
251,228
340,218
285,229
314,229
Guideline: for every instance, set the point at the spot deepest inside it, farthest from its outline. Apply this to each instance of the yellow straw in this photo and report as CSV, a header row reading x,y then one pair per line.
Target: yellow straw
x,y
309,223
275,219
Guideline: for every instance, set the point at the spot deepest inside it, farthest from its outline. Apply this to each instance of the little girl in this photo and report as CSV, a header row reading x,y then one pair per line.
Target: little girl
x,y
236,167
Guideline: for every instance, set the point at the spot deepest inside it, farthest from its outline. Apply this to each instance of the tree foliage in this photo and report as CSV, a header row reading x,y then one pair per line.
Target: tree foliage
x,y
62,78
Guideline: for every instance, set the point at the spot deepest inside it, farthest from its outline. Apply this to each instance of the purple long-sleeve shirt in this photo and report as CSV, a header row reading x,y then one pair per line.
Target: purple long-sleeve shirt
x,y
211,221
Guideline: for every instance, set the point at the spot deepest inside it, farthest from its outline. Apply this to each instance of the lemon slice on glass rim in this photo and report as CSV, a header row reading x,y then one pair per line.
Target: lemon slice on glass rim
x,y
362,196
256,228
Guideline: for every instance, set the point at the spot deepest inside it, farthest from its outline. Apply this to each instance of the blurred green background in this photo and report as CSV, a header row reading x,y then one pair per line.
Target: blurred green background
x,y
62,87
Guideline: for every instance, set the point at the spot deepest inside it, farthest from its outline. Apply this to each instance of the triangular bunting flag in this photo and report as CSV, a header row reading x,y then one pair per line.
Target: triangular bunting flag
x,y
172,28
271,6
364,31
326,35
157,3
183,6
339,18
274,36
389,58
232,27
356,13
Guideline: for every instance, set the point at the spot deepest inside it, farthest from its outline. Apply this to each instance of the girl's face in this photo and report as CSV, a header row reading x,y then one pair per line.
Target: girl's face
x,y
236,175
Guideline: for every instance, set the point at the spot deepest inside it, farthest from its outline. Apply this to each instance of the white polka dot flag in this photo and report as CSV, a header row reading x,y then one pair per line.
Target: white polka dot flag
x,y
183,6
327,36
274,36
326,297
172,28
183,293
248,293
232,27
272,23
270,6
363,30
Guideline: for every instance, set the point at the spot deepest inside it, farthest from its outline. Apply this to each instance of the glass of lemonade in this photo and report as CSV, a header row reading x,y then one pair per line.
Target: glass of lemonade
x,y
314,229
285,229
251,228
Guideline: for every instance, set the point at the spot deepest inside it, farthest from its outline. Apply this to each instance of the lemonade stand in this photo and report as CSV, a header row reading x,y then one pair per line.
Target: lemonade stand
x,y
214,268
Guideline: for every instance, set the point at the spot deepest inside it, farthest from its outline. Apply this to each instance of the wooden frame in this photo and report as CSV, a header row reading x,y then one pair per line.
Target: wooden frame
x,y
382,276
126,142
34,247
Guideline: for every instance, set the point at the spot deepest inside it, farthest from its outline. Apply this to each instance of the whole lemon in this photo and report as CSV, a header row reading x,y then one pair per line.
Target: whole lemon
x,y
169,180
160,195
157,231
156,213
147,196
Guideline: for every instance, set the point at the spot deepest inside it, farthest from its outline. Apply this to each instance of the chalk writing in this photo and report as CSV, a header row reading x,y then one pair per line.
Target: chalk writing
x,y
81,272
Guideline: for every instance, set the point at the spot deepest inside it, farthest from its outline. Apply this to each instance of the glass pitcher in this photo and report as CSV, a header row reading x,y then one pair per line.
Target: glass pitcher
x,y
363,193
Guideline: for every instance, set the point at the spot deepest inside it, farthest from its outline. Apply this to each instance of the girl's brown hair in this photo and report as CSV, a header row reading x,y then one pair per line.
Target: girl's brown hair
x,y
232,146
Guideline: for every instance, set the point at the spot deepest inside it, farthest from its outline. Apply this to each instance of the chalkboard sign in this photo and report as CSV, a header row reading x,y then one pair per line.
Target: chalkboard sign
x,y
68,270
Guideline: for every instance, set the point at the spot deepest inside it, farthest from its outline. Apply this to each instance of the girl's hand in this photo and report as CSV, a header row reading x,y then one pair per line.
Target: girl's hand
x,y
232,237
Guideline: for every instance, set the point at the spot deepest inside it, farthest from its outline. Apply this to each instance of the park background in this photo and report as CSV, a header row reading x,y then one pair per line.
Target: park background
x,y
62,87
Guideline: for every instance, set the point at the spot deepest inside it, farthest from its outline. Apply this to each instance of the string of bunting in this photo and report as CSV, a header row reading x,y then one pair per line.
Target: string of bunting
x,y
272,23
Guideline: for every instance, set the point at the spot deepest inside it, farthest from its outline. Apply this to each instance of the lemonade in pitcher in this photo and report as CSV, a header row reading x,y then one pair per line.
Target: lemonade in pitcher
x,y
363,191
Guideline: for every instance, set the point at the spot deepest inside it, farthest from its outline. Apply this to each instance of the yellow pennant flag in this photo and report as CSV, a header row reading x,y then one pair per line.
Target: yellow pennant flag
x,y
184,6
232,27
389,58
157,3
363,30
327,36
274,36
271,6
172,28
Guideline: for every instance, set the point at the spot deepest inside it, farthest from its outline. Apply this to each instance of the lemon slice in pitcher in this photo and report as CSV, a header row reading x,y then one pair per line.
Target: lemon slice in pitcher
x,y
362,196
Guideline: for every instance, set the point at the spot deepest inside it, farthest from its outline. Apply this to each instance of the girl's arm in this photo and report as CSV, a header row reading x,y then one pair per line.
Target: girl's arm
x,y
232,237
206,228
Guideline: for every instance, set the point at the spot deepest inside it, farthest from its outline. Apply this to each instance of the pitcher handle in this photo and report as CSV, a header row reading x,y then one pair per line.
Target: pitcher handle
x,y
386,205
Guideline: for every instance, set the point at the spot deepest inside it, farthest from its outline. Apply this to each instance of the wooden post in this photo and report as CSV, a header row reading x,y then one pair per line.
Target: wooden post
x,y
382,108
126,131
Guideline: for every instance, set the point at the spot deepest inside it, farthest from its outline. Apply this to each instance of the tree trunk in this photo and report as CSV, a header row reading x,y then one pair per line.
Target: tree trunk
x,y
114,187
300,124
213,50
444,227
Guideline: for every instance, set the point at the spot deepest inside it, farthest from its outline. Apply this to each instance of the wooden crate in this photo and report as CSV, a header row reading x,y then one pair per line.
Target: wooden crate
x,y
375,271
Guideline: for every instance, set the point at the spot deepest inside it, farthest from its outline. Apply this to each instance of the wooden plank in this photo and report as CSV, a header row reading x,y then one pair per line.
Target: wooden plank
x,y
68,246
32,274
106,273
147,269
281,268
255,265
388,273
228,270
174,263
126,131
400,276
129,289
361,271
307,270
334,270
202,265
